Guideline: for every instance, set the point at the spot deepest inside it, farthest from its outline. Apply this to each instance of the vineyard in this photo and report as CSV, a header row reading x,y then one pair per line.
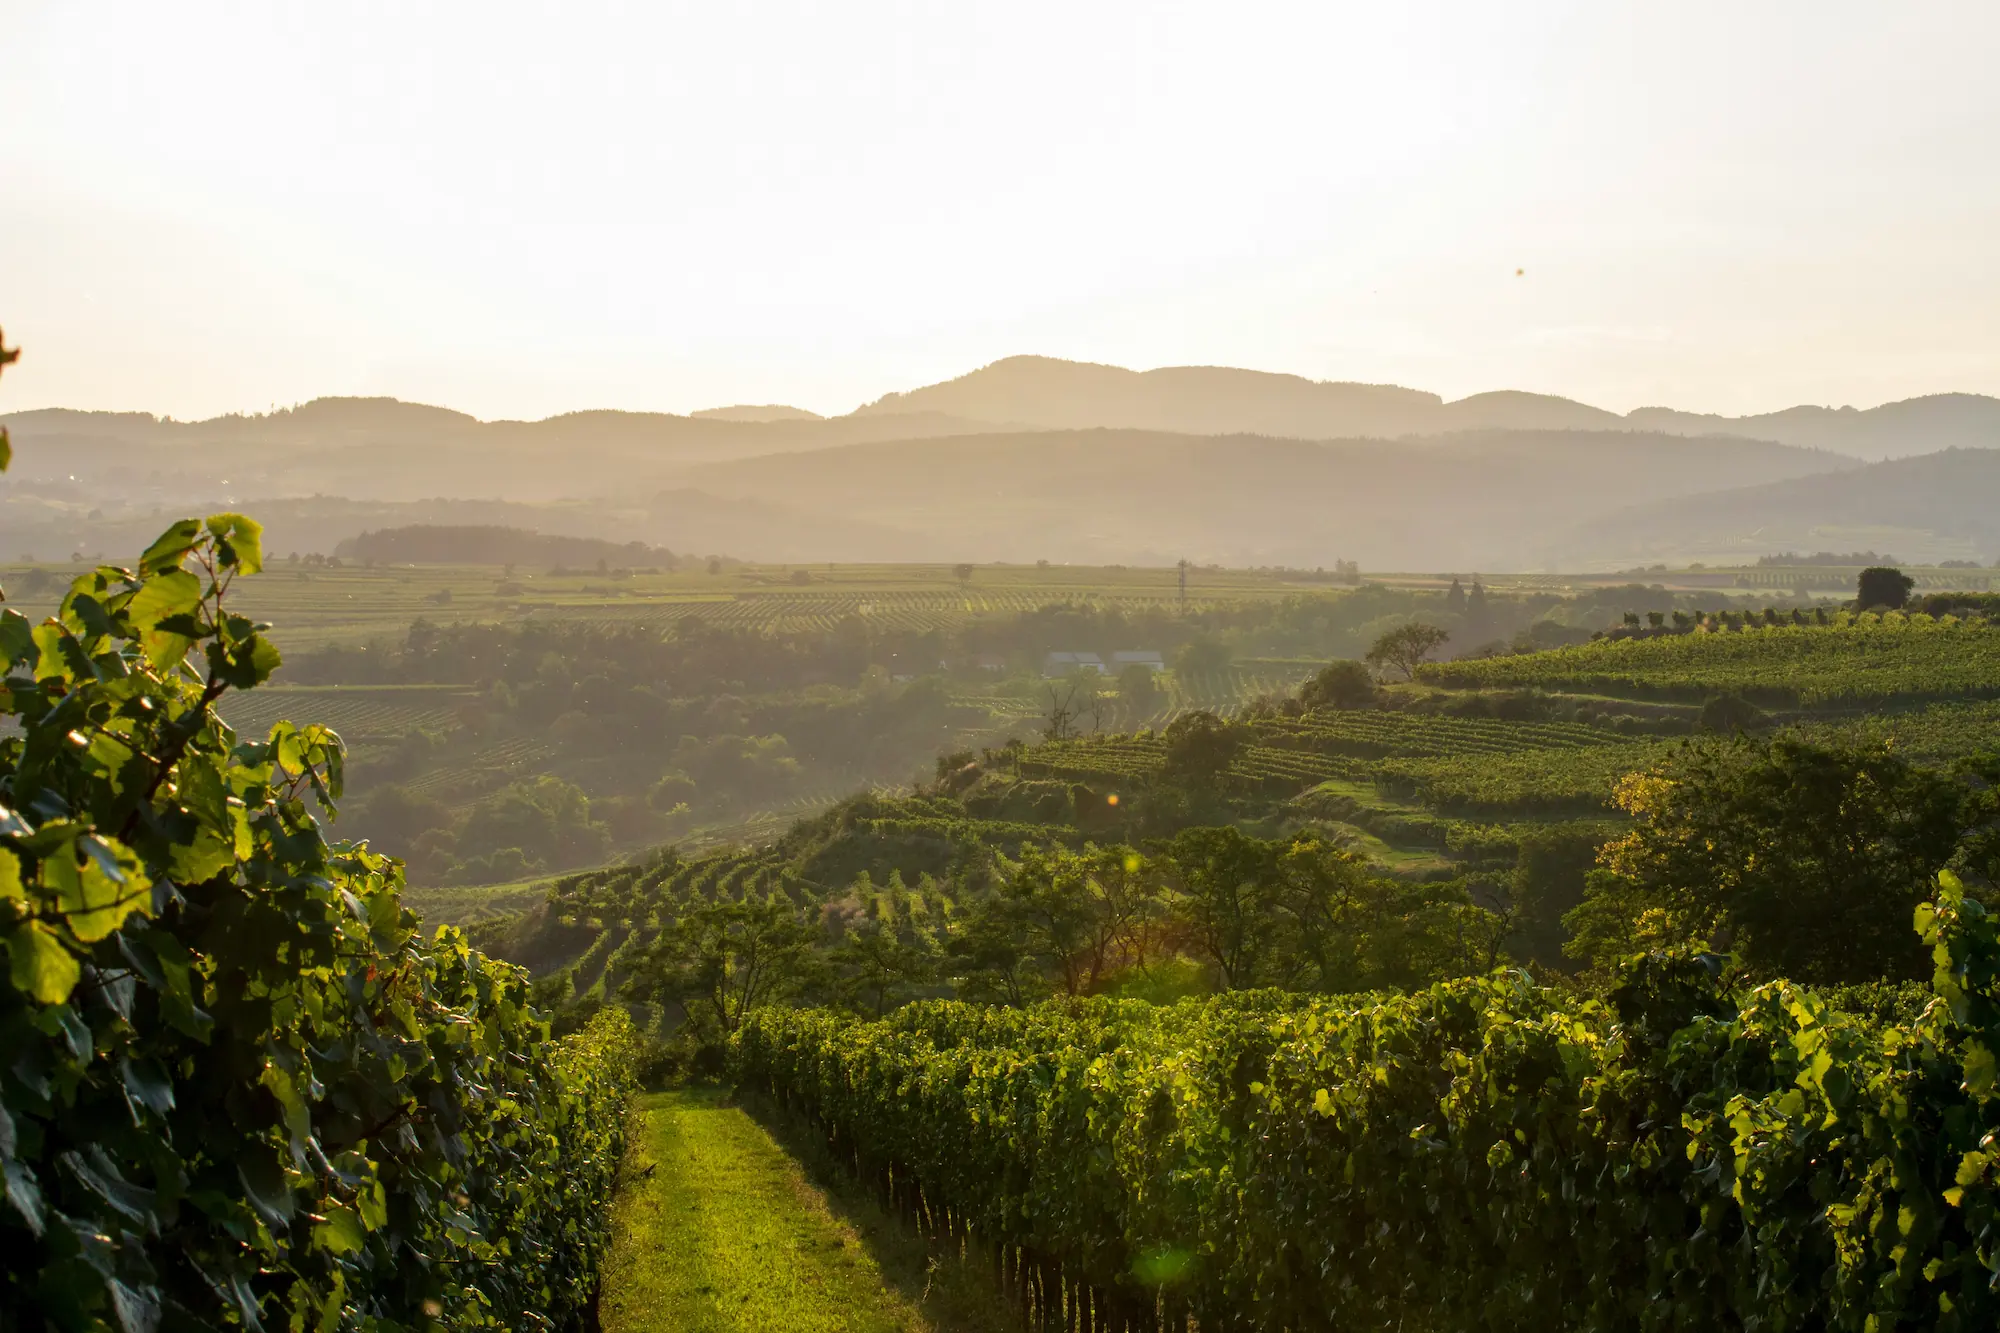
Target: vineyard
x,y
1483,1154
1454,765
1862,660
356,712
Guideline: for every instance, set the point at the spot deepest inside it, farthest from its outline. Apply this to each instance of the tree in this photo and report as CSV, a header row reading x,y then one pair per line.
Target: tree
x,y
963,572
1805,861
1342,684
8,356
1883,585
1068,701
995,954
1454,600
1078,911
1552,864
396,817
1138,688
1203,655
1200,746
1226,896
720,960
548,819
1406,647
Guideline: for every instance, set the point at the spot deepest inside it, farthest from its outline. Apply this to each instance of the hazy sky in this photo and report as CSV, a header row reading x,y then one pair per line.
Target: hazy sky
x,y
518,209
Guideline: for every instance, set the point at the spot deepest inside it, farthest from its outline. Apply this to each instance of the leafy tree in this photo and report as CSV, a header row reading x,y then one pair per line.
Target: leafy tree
x,y
671,792
1477,612
1552,865
876,965
1200,746
8,356
1406,647
1454,599
548,819
1342,684
396,817
1805,861
1226,898
1883,585
1079,911
995,955
1203,655
963,572
1322,899
721,960
1138,688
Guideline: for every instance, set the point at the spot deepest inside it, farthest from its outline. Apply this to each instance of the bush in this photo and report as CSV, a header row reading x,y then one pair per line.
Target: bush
x,y
237,1088
1729,713
1342,684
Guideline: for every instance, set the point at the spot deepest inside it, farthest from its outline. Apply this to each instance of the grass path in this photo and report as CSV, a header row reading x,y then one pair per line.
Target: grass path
x,y
719,1229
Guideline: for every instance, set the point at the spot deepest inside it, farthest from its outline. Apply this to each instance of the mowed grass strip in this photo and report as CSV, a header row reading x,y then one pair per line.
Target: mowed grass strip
x,y
717,1229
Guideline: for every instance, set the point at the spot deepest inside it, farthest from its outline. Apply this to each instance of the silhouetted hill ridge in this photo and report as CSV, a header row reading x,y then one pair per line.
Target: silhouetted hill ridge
x,y
1932,506
1213,400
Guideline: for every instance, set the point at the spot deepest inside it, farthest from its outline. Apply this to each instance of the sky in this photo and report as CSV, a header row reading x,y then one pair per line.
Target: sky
x,y
521,209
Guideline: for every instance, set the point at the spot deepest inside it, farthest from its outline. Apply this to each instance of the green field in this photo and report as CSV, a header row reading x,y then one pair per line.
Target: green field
x,y
354,604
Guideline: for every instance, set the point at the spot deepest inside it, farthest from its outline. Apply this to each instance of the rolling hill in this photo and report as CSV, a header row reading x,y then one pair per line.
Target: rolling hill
x,y
1485,499
1212,400
1934,507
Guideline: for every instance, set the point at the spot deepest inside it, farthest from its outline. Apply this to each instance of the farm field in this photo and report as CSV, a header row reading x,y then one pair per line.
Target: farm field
x,y
312,607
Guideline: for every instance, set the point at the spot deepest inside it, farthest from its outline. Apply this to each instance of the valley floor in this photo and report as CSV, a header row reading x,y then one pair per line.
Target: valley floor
x,y
718,1228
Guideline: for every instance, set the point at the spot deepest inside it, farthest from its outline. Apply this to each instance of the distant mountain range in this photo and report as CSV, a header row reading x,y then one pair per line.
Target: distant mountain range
x,y
1211,400
1035,458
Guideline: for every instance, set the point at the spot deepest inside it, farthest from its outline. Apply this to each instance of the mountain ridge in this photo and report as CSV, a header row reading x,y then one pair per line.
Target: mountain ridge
x,y
1204,400
1037,392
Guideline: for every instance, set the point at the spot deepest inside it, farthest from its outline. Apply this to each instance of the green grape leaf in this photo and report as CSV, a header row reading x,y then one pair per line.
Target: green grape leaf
x,y
172,596
96,886
340,1231
1980,1070
239,541
171,547
25,1194
39,964
17,636
243,665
